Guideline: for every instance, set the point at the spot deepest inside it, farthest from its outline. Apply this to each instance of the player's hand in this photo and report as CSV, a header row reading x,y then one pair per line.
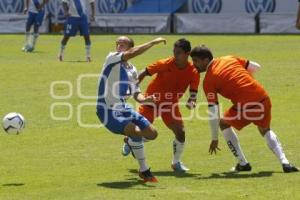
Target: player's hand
x,y
67,14
150,100
159,40
25,10
92,18
39,7
214,147
191,104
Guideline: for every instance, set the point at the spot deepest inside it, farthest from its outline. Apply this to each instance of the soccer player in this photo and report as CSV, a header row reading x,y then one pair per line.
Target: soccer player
x,y
118,80
77,19
232,78
298,18
173,76
36,12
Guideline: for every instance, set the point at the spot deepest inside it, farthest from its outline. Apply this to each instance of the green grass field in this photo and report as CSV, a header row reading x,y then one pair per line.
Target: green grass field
x,y
62,160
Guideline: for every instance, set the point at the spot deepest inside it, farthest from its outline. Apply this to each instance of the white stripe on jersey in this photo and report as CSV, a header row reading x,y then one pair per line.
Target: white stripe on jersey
x,y
114,77
31,6
133,78
72,8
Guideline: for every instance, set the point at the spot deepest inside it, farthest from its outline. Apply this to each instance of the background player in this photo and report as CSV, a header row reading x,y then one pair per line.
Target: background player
x,y
77,19
173,76
118,80
232,78
298,17
36,12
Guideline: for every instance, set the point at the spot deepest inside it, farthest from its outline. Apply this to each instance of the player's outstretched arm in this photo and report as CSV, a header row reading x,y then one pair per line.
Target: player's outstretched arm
x,y
191,103
26,6
142,76
138,50
66,8
43,4
139,97
214,121
92,10
298,18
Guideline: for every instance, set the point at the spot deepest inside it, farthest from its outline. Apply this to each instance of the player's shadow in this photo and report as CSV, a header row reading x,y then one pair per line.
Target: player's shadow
x,y
170,173
129,183
232,175
75,61
36,52
13,184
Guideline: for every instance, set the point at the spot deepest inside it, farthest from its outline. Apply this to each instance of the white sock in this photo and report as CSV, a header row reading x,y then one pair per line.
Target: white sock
x,y
139,153
275,146
27,36
62,49
35,37
234,145
88,51
177,151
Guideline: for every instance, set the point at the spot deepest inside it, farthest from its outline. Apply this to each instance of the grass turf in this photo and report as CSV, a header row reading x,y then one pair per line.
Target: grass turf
x,y
61,160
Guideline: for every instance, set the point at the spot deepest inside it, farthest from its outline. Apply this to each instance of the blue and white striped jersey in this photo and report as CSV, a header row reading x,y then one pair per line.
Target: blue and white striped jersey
x,y
33,4
117,81
77,8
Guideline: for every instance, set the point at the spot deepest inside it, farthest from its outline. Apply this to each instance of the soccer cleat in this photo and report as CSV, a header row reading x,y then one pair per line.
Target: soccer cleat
x,y
60,58
27,48
30,49
88,59
241,168
179,167
287,168
147,176
126,147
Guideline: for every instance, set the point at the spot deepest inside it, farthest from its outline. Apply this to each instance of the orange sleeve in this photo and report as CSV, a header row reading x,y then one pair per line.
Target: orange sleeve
x,y
195,82
209,87
156,67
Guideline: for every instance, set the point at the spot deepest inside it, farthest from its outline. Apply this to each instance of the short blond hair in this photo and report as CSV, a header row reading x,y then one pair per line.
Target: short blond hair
x,y
126,39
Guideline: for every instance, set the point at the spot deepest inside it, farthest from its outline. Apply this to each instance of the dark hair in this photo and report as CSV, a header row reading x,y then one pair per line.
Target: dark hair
x,y
202,52
183,44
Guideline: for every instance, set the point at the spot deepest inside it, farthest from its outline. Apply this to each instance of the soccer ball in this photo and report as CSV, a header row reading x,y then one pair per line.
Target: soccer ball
x,y
13,123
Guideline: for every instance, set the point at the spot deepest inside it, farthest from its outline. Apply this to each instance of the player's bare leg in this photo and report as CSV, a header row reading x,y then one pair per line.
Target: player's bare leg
x,y
234,145
62,47
275,146
87,48
178,146
135,141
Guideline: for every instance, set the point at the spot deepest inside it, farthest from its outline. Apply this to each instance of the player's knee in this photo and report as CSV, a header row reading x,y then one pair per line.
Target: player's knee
x,y
87,40
180,135
223,125
65,40
153,134
150,133
263,131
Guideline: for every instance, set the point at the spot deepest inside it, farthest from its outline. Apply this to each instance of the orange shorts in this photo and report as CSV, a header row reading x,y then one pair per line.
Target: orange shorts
x,y
169,114
256,113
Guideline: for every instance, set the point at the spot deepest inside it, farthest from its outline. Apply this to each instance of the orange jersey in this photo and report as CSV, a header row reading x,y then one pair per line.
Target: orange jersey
x,y
170,83
228,76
